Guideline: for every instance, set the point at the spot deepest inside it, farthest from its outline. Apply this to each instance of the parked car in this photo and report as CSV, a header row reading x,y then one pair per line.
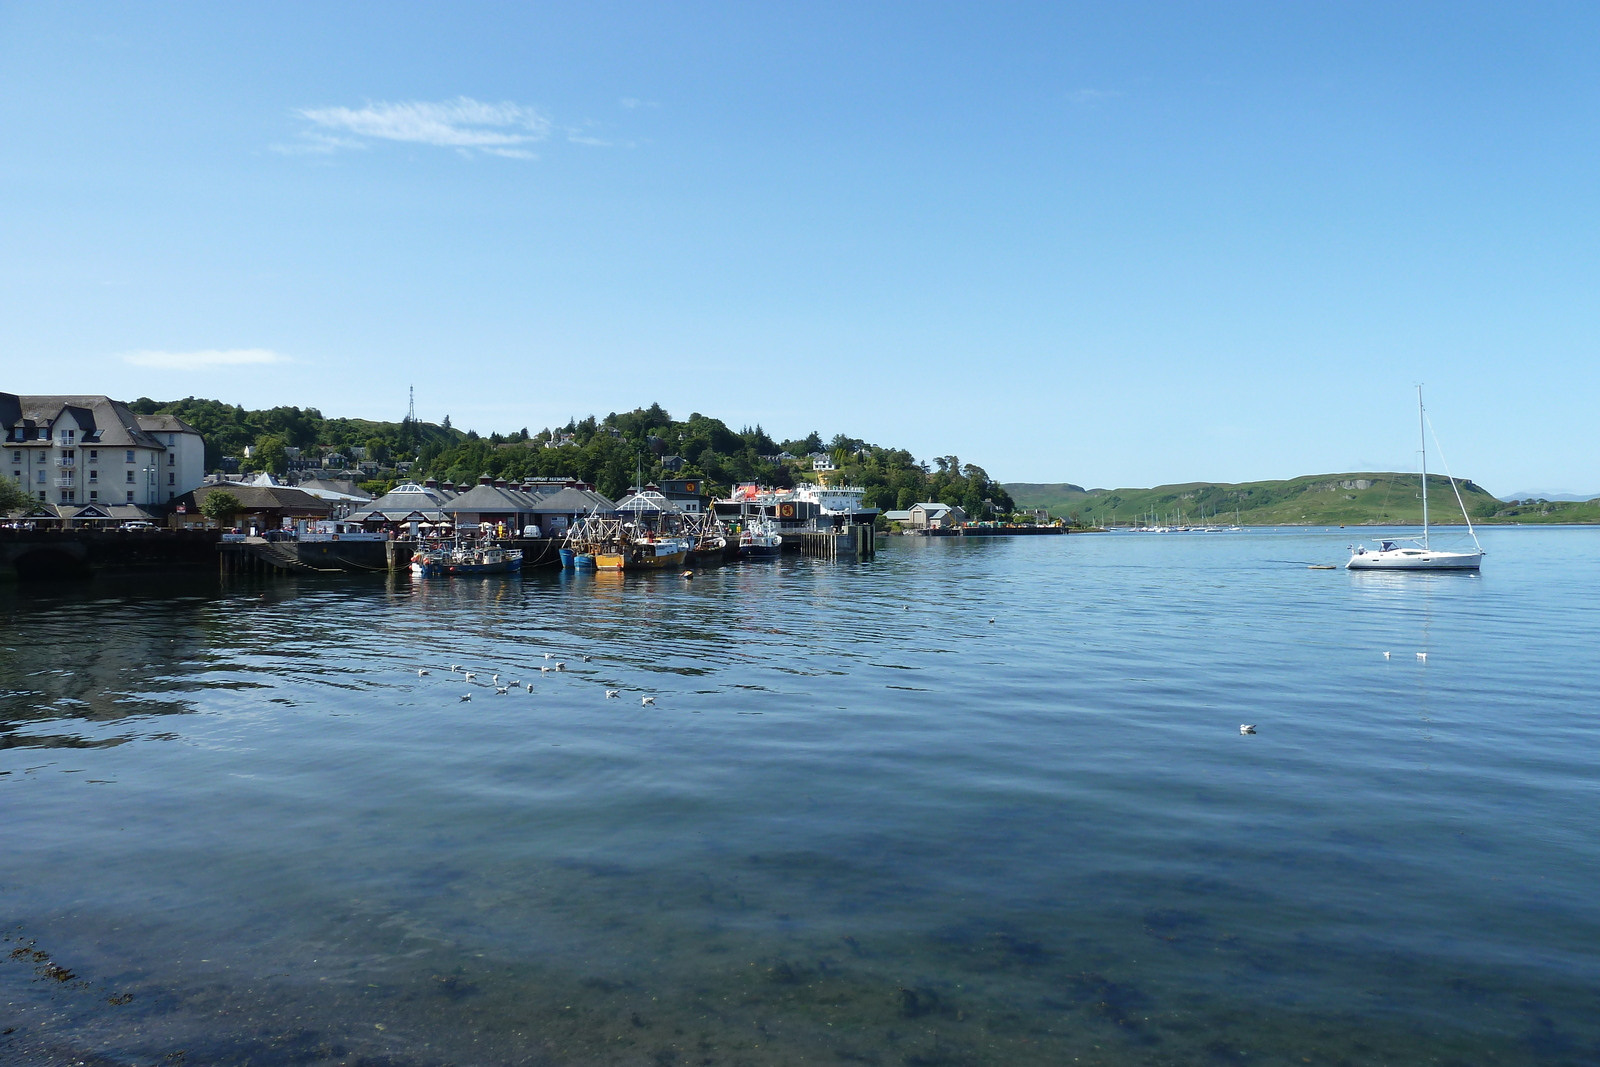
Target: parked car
x,y
137,524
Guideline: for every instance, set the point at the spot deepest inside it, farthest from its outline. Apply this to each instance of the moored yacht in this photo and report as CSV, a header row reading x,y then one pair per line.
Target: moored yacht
x,y
1414,553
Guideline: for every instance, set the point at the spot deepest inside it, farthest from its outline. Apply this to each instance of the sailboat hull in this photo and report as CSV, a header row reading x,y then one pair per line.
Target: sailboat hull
x,y
1415,559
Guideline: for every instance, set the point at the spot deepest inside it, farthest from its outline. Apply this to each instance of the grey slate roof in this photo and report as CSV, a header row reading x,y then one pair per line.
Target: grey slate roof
x,y
575,502
116,425
404,500
489,500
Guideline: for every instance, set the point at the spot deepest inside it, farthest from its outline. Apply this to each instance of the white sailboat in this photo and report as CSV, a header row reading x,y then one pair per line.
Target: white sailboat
x,y
1414,553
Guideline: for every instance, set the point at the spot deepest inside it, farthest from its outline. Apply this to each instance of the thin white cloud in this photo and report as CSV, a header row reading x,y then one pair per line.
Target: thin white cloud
x,y
462,123
632,102
1091,96
204,359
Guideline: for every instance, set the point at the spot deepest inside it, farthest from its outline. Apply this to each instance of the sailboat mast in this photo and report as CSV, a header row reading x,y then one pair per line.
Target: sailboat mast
x,y
1422,435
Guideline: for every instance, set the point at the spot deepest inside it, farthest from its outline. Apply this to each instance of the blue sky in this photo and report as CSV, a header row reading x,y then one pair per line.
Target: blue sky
x,y
1113,244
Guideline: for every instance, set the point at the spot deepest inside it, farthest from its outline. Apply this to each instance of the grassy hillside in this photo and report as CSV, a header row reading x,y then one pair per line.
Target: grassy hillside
x,y
1322,499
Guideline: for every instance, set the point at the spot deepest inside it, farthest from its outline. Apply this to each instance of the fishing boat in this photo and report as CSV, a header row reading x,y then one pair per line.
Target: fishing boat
x,y
1415,553
653,553
759,540
465,558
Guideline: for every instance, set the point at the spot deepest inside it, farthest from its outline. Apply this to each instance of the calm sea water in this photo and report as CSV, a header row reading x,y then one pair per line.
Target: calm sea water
x,y
862,823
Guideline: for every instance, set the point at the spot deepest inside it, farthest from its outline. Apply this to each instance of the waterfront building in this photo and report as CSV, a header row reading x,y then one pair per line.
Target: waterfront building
x,y
75,451
261,506
491,503
935,516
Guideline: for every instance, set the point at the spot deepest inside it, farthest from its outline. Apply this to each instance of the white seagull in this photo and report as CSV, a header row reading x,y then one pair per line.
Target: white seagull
x,y
466,696
470,676
549,655
530,687
500,690
544,670
495,679
612,694
1245,728
646,700
455,668
561,666
421,673
1386,655
586,659
1423,656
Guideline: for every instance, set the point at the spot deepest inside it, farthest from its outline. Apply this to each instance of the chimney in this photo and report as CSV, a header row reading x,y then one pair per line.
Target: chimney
x,y
501,483
431,483
485,480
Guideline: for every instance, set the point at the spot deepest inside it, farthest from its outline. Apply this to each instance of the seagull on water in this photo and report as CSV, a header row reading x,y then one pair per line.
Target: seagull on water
x,y
500,690
991,620
470,676
455,668
646,700
1423,656
549,655
1386,655
612,694
495,679
466,696
530,687
586,659
561,666
421,673
544,670
1245,728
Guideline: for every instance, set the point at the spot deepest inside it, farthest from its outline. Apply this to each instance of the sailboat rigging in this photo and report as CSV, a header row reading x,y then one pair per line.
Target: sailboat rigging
x,y
1415,553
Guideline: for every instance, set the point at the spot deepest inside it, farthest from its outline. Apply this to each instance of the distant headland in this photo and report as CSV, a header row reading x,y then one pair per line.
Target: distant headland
x,y
1352,499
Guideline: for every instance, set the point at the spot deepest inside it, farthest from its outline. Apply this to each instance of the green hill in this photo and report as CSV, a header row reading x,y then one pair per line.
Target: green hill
x,y
1315,500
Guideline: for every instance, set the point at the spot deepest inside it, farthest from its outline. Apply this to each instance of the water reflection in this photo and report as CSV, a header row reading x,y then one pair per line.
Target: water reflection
x,y
861,824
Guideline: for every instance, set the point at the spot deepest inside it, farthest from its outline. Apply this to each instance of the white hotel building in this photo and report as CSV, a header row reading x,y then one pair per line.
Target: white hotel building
x,y
91,450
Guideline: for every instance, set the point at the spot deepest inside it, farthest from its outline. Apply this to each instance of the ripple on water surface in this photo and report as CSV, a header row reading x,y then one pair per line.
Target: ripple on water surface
x,y
861,824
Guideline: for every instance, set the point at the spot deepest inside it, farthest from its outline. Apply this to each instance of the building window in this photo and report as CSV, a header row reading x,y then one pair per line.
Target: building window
x,y
172,459
130,455
172,479
41,495
130,496
68,435
94,476
16,457
171,495
94,495
94,453
41,474
130,477
172,438
66,496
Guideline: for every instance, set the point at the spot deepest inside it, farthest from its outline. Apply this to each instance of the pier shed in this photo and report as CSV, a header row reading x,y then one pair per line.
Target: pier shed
x,y
490,503
263,507
561,510
405,503
934,515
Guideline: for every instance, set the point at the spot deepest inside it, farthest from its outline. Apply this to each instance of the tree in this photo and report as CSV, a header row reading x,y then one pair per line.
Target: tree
x,y
221,506
271,453
12,496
